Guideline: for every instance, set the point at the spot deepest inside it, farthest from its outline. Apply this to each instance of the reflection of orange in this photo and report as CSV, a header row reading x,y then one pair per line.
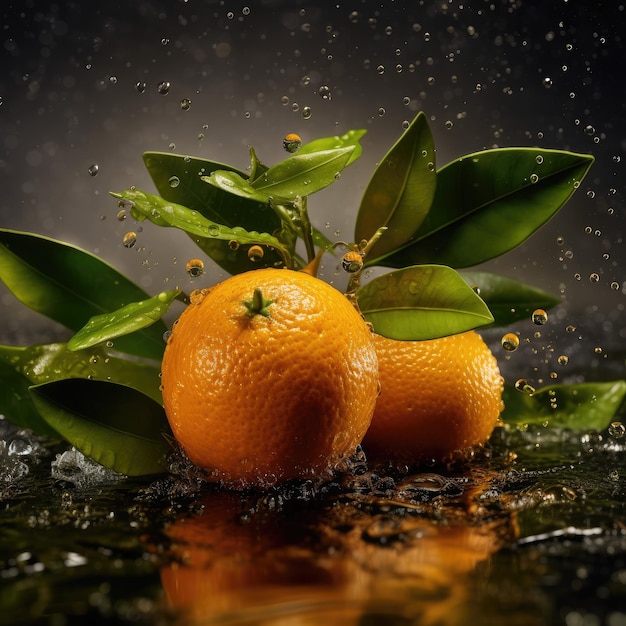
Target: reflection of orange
x,y
232,566
269,375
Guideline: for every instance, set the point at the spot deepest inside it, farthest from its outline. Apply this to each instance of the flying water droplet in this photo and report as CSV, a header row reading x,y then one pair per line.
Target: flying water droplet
x,y
539,317
255,253
521,384
292,142
617,430
129,239
185,104
306,113
510,342
194,268
141,86
352,262
163,87
563,360
93,169
324,92
233,244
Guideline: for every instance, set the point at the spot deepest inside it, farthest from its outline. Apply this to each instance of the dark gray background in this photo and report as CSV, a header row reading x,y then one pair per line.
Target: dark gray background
x,y
487,74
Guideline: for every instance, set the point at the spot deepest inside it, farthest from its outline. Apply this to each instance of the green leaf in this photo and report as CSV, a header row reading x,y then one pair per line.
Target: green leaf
x,y
490,202
181,179
71,285
303,174
21,367
508,300
236,185
16,404
227,246
582,407
421,302
115,425
350,139
128,319
401,190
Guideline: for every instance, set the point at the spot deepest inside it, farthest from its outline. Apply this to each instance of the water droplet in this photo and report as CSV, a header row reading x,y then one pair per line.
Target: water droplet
x,y
129,239
534,178
560,240
570,328
121,215
510,342
380,69
166,335
214,230
163,88
539,159
306,113
563,360
615,285
521,384
598,350
93,169
292,142
233,245
547,82
589,129
245,11
173,182
185,104
141,86
352,262
594,278
197,295
255,253
617,430
381,111
284,100
195,268
324,92
539,317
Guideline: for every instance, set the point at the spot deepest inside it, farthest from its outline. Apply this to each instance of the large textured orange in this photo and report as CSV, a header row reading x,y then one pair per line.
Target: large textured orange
x,y
437,397
262,398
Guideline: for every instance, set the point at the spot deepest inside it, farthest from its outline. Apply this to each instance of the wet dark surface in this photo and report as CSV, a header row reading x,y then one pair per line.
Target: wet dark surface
x,y
532,532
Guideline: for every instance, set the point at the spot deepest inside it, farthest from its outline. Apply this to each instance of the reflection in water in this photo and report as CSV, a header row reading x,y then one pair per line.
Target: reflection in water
x,y
401,555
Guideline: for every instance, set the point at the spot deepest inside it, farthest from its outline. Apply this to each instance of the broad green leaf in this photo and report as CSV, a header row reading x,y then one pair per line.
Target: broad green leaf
x,y
179,179
582,407
71,285
16,404
128,319
489,202
22,367
351,138
236,185
401,191
303,174
227,246
421,302
115,425
508,300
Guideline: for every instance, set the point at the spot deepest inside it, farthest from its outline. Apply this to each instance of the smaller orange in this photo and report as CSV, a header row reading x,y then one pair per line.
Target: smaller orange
x,y
437,397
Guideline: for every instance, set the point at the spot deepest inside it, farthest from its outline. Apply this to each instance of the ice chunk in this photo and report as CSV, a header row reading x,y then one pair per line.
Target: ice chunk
x,y
74,467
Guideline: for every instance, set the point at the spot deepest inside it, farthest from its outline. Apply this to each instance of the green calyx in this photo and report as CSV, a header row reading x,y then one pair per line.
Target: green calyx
x,y
259,305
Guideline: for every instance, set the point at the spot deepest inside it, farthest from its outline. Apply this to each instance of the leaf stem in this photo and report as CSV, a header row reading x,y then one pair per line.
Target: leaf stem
x,y
355,279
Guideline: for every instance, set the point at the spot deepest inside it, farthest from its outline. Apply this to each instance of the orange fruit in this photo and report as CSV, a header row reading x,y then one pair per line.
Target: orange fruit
x,y
437,397
269,375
